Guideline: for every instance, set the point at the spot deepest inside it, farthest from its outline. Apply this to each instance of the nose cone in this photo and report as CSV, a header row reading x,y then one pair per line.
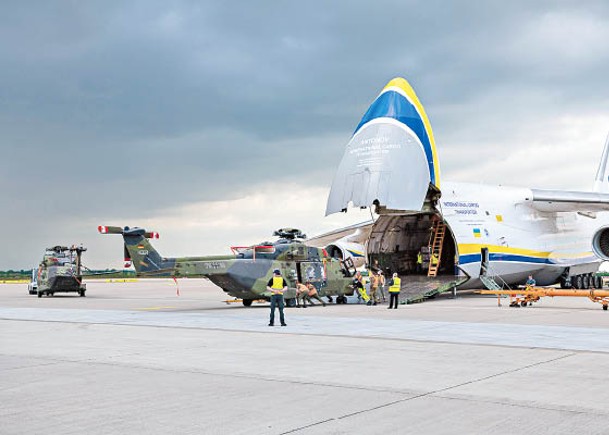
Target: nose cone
x,y
391,157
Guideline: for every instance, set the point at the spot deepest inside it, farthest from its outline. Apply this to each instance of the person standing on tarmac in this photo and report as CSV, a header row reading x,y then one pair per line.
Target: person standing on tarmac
x,y
394,291
375,280
382,284
277,285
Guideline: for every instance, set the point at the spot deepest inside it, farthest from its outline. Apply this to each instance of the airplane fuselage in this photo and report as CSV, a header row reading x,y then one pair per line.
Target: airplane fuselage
x,y
520,239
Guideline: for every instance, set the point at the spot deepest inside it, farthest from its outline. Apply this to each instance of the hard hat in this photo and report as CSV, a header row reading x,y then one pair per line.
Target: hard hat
x,y
277,272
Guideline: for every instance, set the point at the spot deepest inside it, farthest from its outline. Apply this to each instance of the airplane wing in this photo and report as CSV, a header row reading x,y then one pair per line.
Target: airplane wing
x,y
332,236
565,200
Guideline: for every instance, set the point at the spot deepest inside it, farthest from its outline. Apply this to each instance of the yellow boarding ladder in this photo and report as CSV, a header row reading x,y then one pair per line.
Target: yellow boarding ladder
x,y
438,230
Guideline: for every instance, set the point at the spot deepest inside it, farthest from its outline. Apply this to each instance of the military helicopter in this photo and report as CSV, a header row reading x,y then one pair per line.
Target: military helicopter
x,y
245,274
60,272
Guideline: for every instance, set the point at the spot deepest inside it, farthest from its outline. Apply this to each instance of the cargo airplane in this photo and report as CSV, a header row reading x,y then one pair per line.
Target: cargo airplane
x,y
391,165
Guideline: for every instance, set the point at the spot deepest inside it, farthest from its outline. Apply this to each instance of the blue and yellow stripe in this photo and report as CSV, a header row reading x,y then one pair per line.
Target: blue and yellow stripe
x,y
398,101
355,253
470,253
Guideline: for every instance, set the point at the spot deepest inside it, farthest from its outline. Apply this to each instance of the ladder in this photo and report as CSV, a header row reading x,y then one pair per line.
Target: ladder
x,y
490,283
438,230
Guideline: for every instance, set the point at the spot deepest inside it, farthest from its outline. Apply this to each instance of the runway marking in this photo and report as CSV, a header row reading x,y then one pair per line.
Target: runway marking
x,y
498,334
156,308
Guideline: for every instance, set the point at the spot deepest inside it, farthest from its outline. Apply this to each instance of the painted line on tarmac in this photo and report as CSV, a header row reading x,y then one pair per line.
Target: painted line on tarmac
x,y
522,336
155,308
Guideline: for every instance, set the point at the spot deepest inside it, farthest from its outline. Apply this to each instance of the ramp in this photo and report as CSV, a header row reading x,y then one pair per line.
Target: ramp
x,y
417,288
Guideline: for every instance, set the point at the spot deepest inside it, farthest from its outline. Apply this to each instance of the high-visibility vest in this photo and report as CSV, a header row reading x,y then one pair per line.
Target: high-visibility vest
x,y
419,258
434,259
277,283
395,288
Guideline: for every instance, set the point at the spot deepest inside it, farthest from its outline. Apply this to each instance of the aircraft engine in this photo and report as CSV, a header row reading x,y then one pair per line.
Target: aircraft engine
x,y
600,243
343,250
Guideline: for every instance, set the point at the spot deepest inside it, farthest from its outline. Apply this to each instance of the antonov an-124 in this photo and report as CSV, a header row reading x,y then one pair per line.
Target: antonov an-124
x,y
428,227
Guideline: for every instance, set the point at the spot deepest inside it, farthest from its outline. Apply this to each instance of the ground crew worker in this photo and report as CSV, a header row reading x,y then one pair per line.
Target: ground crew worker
x,y
277,285
366,283
382,284
420,262
302,292
434,259
375,280
313,294
359,285
531,281
394,291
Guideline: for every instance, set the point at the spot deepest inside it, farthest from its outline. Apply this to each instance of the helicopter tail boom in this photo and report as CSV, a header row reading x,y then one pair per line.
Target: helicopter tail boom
x,y
139,250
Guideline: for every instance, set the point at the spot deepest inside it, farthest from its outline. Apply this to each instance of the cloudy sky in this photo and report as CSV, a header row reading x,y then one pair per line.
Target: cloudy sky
x,y
215,123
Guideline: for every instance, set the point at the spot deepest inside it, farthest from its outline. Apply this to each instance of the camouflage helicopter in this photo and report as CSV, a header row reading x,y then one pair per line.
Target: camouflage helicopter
x,y
60,271
245,274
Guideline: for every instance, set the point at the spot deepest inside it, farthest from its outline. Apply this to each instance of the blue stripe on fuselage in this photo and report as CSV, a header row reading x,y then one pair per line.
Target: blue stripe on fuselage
x,y
476,258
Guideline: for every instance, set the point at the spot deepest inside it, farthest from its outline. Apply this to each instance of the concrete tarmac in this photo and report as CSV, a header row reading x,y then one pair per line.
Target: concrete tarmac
x,y
137,358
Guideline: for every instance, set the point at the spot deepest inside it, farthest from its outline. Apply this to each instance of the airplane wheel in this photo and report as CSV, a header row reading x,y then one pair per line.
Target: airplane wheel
x,y
586,281
39,294
81,293
577,282
605,307
599,282
247,302
290,302
523,303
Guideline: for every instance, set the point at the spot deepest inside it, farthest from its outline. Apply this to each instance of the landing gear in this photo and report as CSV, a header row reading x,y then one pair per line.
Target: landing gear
x,y
247,302
605,307
582,282
598,280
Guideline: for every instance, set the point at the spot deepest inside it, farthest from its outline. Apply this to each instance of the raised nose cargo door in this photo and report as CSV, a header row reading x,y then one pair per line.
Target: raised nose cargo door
x,y
391,159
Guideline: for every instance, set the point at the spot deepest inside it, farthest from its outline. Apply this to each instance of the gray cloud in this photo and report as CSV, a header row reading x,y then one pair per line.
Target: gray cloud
x,y
124,109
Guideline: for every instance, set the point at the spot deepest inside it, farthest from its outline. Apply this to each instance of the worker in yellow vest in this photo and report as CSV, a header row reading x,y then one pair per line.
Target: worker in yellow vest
x,y
419,262
359,284
277,286
394,291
